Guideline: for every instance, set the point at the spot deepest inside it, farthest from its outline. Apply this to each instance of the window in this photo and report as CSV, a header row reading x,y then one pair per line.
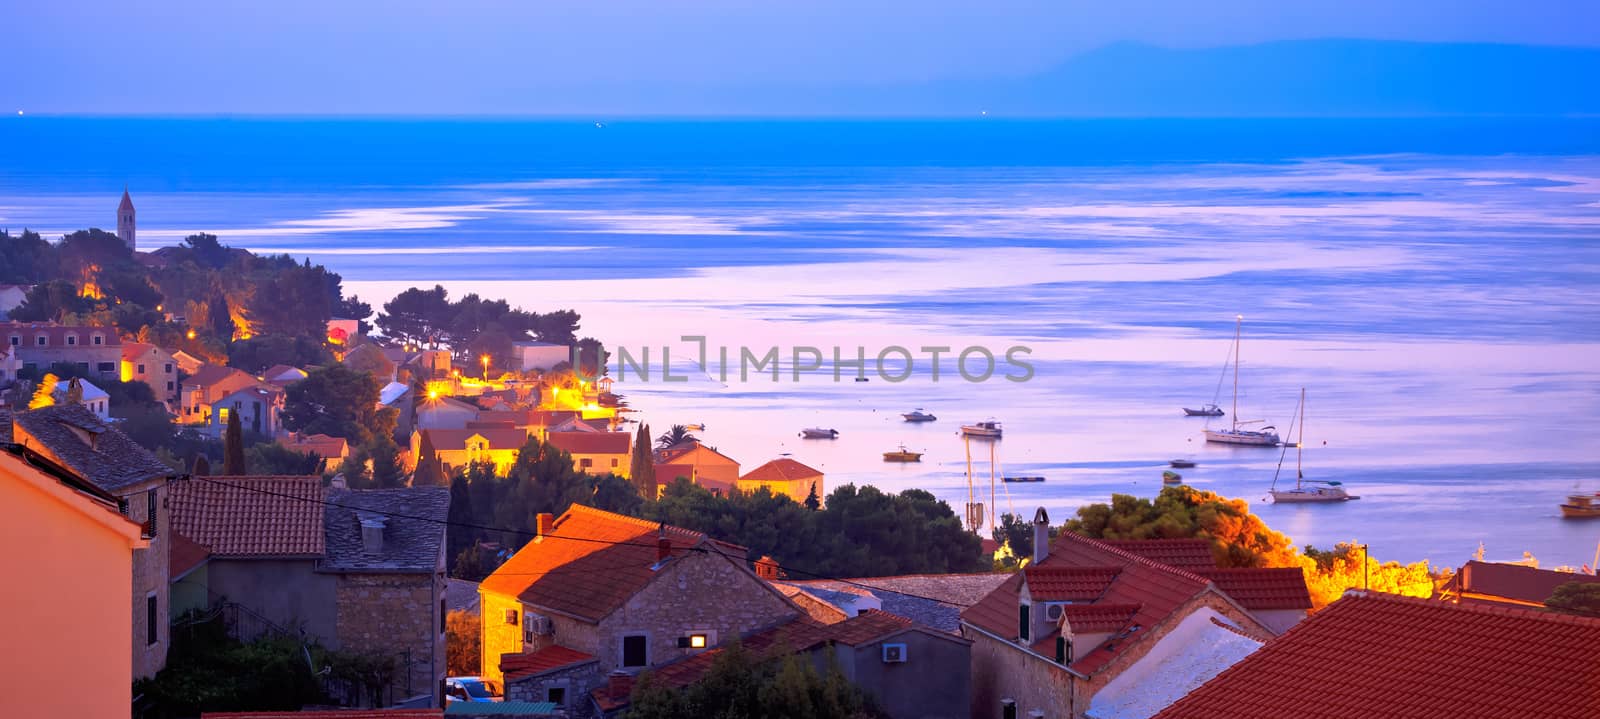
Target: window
x,y
106,367
635,650
41,340
613,461
586,463
98,340
72,340
556,696
1063,651
169,386
150,628
167,368
697,639
141,369
16,341
1022,622
442,613
511,617
150,511
1008,709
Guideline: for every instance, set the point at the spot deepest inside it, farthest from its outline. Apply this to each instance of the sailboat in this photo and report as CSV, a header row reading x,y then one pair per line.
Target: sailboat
x,y
1306,490
1264,437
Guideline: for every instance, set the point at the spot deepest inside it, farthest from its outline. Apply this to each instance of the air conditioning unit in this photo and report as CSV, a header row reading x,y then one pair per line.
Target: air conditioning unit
x,y
1053,612
540,625
894,653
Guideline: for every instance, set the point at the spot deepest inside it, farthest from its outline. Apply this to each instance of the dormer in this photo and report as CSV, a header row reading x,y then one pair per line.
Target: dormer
x,y
1087,627
1048,592
72,339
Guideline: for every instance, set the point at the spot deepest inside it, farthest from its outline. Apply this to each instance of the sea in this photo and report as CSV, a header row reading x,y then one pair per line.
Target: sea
x,y
1432,284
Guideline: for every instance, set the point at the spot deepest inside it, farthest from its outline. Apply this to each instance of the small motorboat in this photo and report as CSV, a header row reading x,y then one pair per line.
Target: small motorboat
x,y
862,379
917,415
1171,477
1581,506
1209,410
986,428
1031,478
1182,463
902,455
819,433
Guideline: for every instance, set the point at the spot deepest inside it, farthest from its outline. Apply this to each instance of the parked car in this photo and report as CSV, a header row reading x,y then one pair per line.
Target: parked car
x,y
472,689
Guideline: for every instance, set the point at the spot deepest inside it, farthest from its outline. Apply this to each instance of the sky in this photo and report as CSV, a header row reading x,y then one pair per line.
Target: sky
x,y
553,56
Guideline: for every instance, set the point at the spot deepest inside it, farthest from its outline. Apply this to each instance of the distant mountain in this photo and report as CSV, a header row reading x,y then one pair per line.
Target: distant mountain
x,y
1312,77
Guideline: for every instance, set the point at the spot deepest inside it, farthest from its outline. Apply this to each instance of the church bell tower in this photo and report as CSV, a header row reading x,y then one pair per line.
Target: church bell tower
x,y
125,227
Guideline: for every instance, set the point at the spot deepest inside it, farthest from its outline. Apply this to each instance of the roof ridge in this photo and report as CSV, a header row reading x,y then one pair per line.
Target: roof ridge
x,y
1497,610
623,518
1163,566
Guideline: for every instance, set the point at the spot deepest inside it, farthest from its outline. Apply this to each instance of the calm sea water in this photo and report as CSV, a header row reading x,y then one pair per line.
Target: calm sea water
x,y
1431,283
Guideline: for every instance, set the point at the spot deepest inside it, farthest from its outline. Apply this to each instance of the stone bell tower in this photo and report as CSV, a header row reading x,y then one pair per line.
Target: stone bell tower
x,y
125,226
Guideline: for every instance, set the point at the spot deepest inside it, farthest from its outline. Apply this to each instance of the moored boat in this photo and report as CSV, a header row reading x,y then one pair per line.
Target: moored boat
x,y
902,455
1306,491
819,433
1029,478
1182,463
1581,506
917,415
986,428
1264,437
1209,410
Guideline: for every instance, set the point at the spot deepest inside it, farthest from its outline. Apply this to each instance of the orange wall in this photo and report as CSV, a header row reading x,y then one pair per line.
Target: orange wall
x,y
67,635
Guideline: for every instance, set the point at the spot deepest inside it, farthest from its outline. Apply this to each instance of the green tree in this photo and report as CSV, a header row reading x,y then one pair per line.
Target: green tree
x,y
271,458
417,317
1581,598
387,470
1238,538
462,532
776,684
430,470
642,466
202,466
233,464
335,401
812,502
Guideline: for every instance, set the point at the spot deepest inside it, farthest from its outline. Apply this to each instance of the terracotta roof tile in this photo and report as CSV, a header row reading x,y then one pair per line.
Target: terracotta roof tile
x,y
456,439
590,563
1181,553
592,442
184,554
1069,584
555,656
1091,618
1380,655
1513,582
1263,589
213,374
255,516
780,470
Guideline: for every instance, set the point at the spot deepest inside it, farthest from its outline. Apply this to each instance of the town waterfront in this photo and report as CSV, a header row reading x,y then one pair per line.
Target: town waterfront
x,y
1431,284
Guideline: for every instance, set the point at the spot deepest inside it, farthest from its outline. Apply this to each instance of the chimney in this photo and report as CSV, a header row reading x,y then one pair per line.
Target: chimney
x,y
1041,536
546,523
372,534
767,568
663,545
619,684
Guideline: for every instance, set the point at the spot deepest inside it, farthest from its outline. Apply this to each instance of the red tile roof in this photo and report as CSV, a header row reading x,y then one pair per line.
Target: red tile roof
x,y
592,442
57,334
257,516
590,563
555,656
1092,618
780,470
666,473
213,374
331,714
323,445
1513,582
1380,655
1263,589
1068,584
1156,589
1181,553
183,554
686,448
455,440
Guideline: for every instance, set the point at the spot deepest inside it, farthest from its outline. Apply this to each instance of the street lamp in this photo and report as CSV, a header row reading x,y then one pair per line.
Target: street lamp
x,y
485,360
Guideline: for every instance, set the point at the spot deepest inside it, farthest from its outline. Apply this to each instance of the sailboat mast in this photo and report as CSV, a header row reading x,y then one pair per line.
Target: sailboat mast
x,y
1299,446
966,443
991,484
1238,327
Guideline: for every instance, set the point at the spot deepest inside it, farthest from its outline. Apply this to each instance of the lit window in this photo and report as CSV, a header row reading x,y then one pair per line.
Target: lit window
x,y
697,641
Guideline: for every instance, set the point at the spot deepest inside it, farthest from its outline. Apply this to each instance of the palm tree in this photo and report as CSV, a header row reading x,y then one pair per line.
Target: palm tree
x,y
678,433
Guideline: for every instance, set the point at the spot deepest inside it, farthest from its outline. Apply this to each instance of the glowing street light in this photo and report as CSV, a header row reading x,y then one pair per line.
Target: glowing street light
x,y
189,334
485,360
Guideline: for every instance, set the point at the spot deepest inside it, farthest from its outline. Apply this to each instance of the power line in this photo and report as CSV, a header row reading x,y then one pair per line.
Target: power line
x,y
535,534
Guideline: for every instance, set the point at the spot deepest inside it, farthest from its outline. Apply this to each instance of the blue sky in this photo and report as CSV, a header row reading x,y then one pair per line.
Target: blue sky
x,y
534,56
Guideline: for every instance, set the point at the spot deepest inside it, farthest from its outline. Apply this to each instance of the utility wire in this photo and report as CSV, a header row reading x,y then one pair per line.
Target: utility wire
x,y
469,525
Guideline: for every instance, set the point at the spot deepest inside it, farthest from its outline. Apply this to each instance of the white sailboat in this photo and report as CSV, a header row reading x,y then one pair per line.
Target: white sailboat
x,y
1306,490
1264,437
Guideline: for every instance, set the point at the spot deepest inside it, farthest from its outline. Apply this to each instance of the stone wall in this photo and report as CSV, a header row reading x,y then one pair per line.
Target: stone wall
x,y
390,615
577,680
696,592
1002,670
150,568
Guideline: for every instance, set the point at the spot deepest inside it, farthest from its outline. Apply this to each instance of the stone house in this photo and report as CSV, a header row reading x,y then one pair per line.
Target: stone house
x,y
92,398
72,437
81,548
95,351
596,452
786,477
1091,630
890,658
357,570
332,450
1479,582
147,363
598,592
204,388
706,466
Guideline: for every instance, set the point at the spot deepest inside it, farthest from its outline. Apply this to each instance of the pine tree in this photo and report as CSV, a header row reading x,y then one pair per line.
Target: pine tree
x,y
430,471
233,447
642,468
387,471
812,502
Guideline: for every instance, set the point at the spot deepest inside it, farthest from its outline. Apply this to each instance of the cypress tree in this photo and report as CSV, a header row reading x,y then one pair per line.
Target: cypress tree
x,y
642,468
233,447
812,502
430,471
459,534
202,466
